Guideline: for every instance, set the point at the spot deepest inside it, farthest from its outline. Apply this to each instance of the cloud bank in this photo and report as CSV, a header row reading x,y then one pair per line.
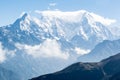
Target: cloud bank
x,y
5,52
81,51
2,54
48,49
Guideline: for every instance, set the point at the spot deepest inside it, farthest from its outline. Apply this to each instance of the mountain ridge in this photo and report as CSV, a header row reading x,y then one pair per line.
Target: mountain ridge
x,y
102,50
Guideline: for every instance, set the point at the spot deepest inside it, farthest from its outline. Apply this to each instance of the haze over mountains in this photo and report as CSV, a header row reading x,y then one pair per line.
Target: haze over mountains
x,y
48,41
102,51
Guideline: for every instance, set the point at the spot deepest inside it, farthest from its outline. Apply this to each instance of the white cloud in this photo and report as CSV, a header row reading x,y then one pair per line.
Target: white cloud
x,y
2,54
5,52
81,51
52,4
76,16
105,21
49,48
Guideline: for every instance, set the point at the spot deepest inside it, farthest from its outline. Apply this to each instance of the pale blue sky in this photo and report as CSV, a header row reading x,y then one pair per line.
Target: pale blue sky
x,y
10,10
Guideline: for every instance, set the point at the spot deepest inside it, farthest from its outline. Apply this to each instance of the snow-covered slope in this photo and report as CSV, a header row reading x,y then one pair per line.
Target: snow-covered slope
x,y
79,27
102,51
47,41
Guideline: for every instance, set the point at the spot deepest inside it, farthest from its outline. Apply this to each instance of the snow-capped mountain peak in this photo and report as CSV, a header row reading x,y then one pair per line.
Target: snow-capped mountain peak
x,y
24,15
25,22
76,16
54,35
76,27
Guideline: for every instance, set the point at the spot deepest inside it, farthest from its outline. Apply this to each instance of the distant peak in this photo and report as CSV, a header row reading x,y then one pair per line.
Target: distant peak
x,y
23,21
23,16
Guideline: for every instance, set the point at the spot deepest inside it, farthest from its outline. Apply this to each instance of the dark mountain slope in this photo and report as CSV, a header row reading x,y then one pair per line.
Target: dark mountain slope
x,y
107,69
115,76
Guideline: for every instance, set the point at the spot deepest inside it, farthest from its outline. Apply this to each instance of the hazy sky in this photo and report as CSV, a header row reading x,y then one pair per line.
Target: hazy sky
x,y
10,10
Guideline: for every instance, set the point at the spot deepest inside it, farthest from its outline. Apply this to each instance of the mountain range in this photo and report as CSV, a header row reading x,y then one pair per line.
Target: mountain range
x,y
47,41
102,51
